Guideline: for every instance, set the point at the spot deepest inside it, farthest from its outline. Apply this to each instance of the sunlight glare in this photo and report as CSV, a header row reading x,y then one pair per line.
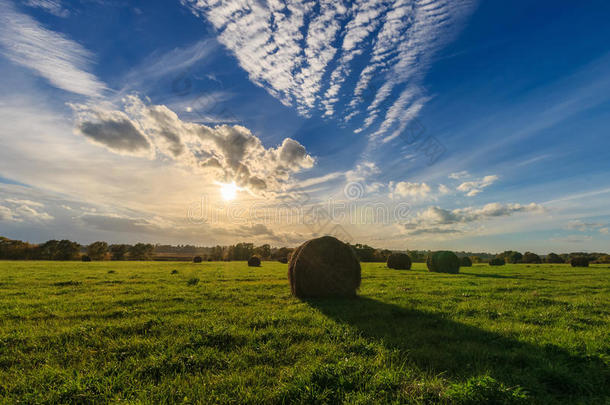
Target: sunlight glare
x,y
228,191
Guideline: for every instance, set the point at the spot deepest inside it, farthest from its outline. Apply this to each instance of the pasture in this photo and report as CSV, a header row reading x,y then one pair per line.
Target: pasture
x,y
227,333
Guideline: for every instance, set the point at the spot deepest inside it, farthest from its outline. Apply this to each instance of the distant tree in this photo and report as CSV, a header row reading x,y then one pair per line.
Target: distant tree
x,y
118,252
514,257
97,250
67,250
85,258
605,259
17,250
475,259
263,251
141,251
554,258
416,257
529,257
48,250
497,261
281,253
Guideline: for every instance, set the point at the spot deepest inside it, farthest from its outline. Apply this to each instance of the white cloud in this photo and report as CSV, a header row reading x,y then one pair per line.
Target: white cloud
x,y
362,171
63,62
434,219
232,153
50,6
443,189
6,214
18,210
459,175
408,189
472,188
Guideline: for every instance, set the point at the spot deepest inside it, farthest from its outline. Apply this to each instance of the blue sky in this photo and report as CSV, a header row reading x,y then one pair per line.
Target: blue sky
x,y
406,124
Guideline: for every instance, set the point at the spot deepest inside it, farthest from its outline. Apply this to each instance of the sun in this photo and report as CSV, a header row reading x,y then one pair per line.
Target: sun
x,y
228,191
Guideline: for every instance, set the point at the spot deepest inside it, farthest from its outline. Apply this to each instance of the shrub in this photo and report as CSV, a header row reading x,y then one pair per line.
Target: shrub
x,y
579,261
497,261
443,262
465,262
283,260
399,261
254,261
324,267
529,257
174,271
85,258
197,259
554,258
192,281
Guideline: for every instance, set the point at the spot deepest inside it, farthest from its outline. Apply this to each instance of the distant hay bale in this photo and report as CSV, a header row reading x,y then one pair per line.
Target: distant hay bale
x,y
86,258
497,261
579,261
254,261
197,259
324,267
465,262
399,261
443,262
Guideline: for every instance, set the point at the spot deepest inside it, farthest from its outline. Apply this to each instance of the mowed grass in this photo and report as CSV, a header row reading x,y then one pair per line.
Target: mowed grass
x,y
227,333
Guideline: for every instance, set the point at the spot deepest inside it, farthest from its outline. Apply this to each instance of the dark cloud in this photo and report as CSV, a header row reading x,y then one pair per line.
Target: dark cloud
x,y
120,134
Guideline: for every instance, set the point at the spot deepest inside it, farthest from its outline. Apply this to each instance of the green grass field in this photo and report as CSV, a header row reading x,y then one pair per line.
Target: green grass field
x,y
133,332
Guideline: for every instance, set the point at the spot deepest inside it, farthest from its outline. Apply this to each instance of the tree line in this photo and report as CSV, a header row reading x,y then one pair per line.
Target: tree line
x,y
11,249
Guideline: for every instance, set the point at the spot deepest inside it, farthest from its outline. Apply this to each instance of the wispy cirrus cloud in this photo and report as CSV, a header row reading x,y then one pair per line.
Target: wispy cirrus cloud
x,y
50,6
315,55
64,63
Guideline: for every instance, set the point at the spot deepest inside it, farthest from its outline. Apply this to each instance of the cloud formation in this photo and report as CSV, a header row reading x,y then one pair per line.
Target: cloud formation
x,y
438,220
232,153
16,210
408,189
472,188
50,6
63,62
305,53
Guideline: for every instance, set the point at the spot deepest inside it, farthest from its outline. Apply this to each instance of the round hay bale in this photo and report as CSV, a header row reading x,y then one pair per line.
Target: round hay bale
x,y
197,259
579,261
324,267
443,262
86,258
497,261
254,261
465,262
399,261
